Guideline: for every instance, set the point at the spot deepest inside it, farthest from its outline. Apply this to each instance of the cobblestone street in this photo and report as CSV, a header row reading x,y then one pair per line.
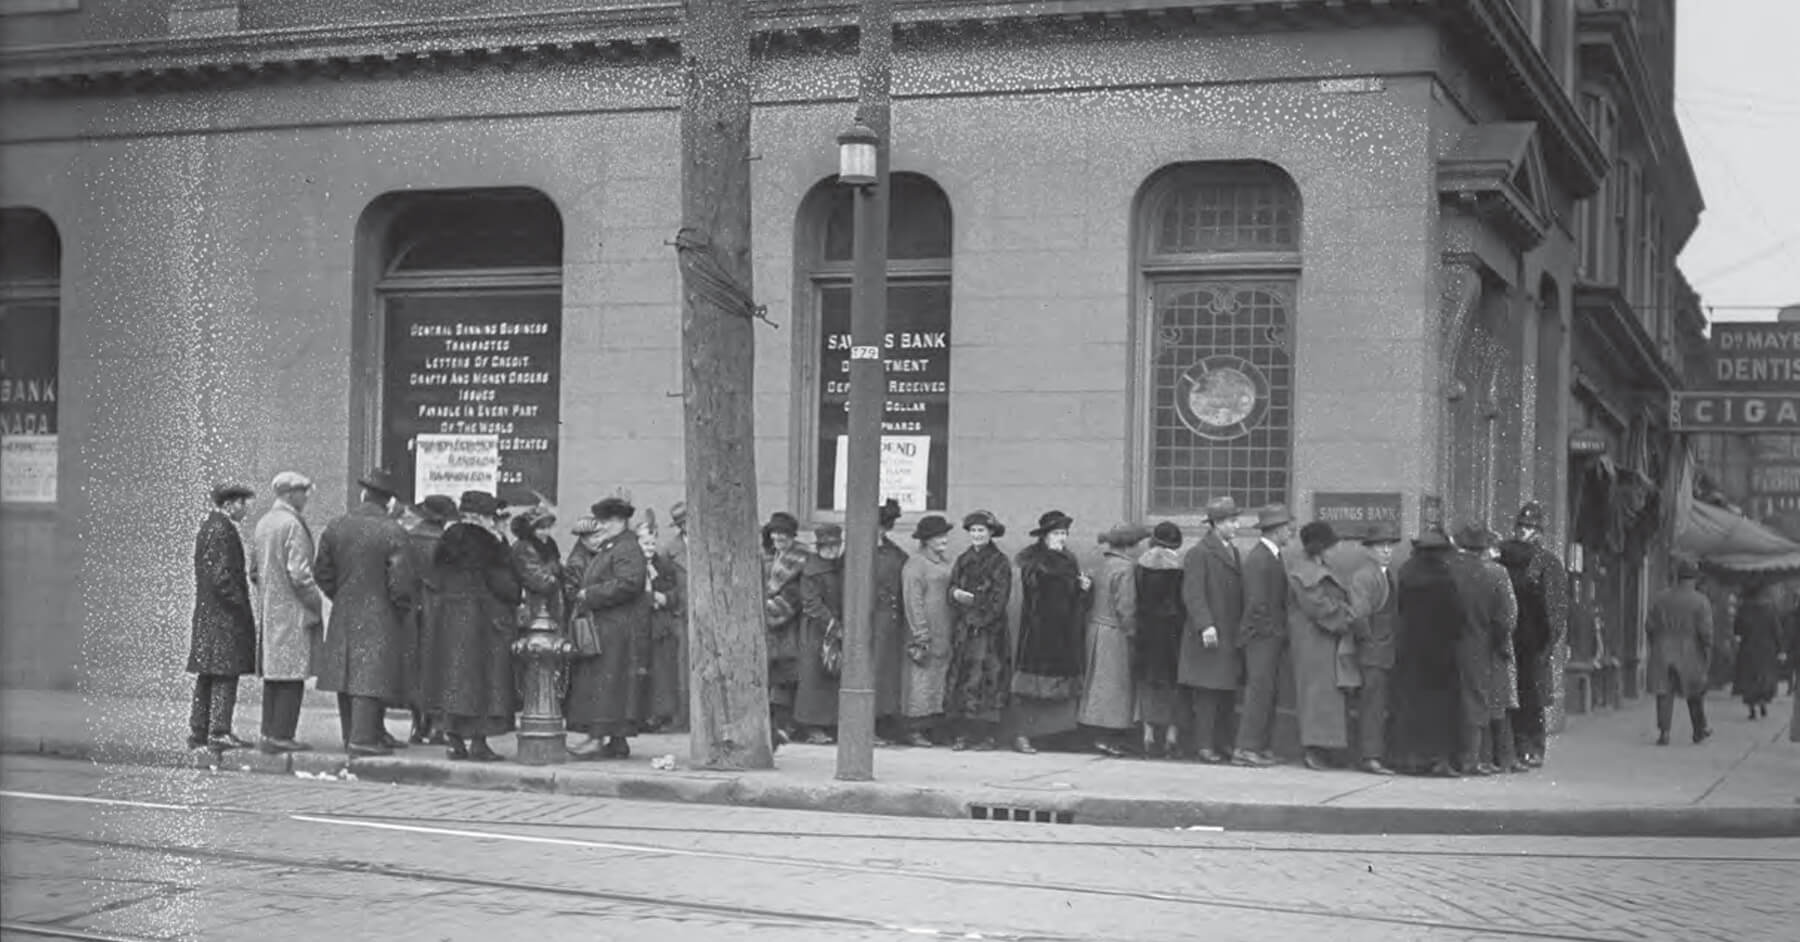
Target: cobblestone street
x,y
150,853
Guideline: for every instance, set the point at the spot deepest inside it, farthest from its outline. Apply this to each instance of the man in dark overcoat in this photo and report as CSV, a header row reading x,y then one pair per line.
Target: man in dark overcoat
x,y
223,645
1211,664
1424,692
1377,596
434,513
1264,635
365,568
1488,591
1679,629
1541,585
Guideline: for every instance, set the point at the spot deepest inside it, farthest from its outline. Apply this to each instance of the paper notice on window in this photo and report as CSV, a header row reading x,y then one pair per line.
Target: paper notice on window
x,y
451,464
28,469
905,461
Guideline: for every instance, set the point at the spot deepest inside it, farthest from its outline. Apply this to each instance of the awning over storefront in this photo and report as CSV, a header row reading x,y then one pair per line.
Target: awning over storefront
x,y
1724,540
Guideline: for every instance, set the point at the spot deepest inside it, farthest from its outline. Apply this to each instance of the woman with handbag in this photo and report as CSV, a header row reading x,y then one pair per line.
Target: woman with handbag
x,y
469,680
608,693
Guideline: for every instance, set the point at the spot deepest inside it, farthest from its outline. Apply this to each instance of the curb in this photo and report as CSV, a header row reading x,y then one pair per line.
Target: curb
x,y
760,790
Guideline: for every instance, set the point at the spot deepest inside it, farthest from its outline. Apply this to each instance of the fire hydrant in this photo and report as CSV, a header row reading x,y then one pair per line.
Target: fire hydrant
x,y
543,652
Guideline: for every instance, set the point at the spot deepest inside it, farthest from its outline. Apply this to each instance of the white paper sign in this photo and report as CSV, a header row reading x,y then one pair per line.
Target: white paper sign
x,y
28,469
451,464
905,461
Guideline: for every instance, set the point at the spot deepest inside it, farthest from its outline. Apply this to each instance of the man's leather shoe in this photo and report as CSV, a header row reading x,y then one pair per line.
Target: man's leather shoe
x,y
1314,761
1702,736
388,740
358,749
1662,738
226,741
1374,767
1486,768
1209,756
277,746
1248,759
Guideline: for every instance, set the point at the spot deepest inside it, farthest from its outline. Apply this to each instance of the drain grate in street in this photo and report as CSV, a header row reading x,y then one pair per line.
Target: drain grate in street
x,y
1033,815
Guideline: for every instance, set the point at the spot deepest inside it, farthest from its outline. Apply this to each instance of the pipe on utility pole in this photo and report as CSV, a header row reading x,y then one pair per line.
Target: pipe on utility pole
x,y
868,401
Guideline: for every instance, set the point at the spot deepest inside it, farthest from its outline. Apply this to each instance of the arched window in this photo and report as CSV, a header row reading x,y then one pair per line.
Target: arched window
x,y
916,423
1218,261
467,296
30,321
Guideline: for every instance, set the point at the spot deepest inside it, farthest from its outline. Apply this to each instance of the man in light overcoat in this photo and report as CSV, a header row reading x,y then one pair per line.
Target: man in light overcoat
x,y
364,567
1264,635
1212,590
1679,629
289,610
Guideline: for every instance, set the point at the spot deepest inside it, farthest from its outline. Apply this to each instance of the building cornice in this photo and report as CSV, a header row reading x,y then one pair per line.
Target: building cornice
x,y
1604,310
1609,38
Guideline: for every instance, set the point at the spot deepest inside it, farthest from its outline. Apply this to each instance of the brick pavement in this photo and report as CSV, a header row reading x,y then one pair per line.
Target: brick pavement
x,y
1604,763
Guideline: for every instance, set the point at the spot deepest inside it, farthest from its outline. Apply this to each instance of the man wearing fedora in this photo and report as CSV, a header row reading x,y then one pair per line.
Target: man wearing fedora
x,y
1679,628
1483,655
290,606
1377,595
222,647
1264,637
1541,584
365,568
1211,662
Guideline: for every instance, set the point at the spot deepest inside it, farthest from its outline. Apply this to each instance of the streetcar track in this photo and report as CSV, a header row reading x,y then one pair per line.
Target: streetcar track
x,y
46,930
407,873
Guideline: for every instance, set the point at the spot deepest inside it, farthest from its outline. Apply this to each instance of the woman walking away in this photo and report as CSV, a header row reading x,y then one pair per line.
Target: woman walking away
x,y
1047,681
925,583
1156,650
469,682
980,648
608,693
1758,629
1109,699
1324,651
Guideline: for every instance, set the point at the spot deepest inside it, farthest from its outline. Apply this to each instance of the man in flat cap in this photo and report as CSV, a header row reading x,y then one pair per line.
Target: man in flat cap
x,y
365,568
223,644
289,605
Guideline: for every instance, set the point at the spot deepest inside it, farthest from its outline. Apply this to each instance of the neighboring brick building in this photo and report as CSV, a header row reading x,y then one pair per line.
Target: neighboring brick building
x,y
1144,254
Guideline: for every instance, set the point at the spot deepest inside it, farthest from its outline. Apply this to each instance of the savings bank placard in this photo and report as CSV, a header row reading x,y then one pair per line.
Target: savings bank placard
x,y
28,444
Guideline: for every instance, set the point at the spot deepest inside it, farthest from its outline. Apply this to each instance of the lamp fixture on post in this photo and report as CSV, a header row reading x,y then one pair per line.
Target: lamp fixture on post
x,y
856,155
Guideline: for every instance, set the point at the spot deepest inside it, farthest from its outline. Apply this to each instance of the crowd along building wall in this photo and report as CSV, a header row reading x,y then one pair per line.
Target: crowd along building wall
x,y
232,279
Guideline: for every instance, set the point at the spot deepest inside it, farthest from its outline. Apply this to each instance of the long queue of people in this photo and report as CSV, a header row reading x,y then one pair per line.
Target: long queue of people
x,y
1444,665
424,614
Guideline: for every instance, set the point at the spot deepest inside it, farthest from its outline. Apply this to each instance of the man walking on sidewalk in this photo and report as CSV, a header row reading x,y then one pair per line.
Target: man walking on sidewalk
x,y
223,645
290,605
364,568
1679,629
1264,637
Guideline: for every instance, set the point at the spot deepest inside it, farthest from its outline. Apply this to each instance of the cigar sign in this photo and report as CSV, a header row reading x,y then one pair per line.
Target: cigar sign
x,y
1718,411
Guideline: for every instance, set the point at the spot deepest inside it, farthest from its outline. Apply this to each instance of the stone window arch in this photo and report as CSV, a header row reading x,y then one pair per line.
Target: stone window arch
x,y
1217,261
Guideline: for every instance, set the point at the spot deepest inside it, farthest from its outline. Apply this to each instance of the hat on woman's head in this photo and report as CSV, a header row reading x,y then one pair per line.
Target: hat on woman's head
x,y
1053,520
828,534
889,512
985,518
436,509
479,503
613,508
1166,534
585,526
1125,534
1317,537
931,527
782,522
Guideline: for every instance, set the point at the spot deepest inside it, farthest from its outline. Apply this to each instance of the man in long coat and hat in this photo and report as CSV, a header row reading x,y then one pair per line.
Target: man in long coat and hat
x,y
1264,635
1424,693
1211,664
364,567
290,608
1482,655
223,645
1541,584
1377,595
1680,631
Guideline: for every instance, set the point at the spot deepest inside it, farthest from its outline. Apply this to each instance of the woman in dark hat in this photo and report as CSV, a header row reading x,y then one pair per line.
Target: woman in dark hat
x,y
888,628
980,676
468,682
1423,691
784,559
1322,647
925,585
1156,650
821,614
434,513
1047,678
537,562
609,694
1109,695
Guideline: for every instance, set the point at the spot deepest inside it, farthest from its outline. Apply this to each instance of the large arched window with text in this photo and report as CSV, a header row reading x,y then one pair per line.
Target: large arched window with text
x,y
30,324
916,421
468,305
1217,251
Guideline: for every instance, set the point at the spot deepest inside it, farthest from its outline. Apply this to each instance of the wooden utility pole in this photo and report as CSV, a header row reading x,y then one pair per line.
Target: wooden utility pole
x,y
868,401
729,702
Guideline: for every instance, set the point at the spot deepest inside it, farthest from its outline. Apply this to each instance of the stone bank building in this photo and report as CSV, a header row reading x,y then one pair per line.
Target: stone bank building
x,y
1362,257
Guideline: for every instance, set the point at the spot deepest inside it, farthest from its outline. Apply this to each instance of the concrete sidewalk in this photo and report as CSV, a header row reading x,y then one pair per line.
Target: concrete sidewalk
x,y
1605,776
